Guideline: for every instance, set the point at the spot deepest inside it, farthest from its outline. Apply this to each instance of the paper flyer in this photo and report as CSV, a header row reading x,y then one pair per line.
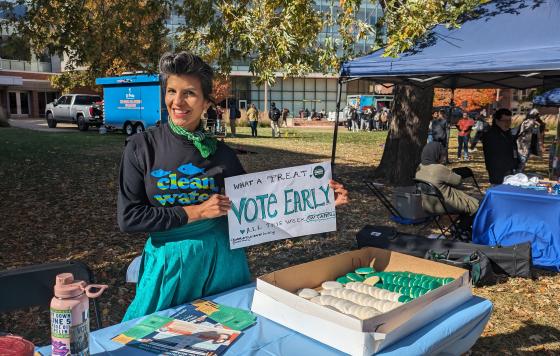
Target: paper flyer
x,y
208,313
162,335
280,204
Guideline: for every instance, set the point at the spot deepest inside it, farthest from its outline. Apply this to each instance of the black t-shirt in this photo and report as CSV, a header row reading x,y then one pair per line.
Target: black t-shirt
x,y
500,154
161,172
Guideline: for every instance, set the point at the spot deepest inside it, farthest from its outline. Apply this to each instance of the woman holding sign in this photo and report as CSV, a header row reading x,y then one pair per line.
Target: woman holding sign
x,y
169,186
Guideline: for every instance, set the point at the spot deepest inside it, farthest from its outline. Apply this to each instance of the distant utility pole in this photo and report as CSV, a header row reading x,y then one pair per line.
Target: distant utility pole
x,y
173,32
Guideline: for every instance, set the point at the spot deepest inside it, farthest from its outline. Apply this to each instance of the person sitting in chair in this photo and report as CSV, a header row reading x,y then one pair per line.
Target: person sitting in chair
x,y
433,171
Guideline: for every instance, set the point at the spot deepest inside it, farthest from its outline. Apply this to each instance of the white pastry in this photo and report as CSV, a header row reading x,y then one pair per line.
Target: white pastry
x,y
346,307
373,291
331,285
362,299
307,293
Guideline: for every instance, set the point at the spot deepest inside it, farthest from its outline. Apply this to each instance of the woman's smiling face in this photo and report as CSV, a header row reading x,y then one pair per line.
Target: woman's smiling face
x,y
185,101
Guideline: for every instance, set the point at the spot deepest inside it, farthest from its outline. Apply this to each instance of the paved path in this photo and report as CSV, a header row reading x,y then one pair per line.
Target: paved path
x,y
39,124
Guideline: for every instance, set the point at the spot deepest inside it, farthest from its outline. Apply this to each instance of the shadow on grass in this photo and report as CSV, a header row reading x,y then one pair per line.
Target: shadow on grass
x,y
530,339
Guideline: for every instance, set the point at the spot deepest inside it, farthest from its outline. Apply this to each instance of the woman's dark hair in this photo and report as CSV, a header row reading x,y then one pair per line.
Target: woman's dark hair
x,y
185,63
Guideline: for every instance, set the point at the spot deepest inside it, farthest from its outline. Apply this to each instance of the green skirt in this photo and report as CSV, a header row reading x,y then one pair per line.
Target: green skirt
x,y
187,263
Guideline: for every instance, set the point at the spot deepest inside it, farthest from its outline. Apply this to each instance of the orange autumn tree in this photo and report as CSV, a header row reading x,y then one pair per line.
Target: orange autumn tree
x,y
222,88
475,98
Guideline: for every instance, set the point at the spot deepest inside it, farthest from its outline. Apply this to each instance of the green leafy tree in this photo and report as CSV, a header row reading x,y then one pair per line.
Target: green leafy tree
x,y
407,22
281,36
95,37
15,47
274,35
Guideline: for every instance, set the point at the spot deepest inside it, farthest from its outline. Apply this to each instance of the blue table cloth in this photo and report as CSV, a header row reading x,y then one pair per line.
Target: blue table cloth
x,y
452,334
510,215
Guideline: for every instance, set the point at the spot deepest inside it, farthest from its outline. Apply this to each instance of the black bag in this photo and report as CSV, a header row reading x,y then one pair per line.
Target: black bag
x,y
513,261
476,262
275,114
237,114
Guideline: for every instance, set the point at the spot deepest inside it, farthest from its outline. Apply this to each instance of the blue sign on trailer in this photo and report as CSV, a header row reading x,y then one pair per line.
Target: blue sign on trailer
x,y
132,103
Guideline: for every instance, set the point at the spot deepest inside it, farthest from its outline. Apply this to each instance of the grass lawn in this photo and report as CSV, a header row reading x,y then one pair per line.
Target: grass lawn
x,y
59,202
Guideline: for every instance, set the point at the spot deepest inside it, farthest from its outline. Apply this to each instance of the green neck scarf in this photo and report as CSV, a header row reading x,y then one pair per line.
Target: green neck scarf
x,y
206,145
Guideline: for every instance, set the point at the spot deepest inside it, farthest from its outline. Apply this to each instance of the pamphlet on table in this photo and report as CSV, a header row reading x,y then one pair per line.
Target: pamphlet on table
x,y
200,328
279,204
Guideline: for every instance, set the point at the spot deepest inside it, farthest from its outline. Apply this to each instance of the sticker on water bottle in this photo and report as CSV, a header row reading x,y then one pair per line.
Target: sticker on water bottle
x,y
80,339
61,321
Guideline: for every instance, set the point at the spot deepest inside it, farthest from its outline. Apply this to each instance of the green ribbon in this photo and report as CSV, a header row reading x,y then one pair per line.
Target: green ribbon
x,y
206,145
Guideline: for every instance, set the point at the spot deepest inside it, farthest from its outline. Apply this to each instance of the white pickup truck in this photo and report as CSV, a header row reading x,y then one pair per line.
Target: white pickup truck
x,y
82,109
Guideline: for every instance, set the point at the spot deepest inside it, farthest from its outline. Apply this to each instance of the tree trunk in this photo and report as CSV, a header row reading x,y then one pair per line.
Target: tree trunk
x,y
411,114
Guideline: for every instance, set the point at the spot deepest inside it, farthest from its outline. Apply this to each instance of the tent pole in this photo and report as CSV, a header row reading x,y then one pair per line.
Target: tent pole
x,y
449,117
554,165
335,135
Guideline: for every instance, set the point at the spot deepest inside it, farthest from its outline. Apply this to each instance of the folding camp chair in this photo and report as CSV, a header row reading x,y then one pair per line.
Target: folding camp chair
x,y
394,214
34,285
466,172
427,188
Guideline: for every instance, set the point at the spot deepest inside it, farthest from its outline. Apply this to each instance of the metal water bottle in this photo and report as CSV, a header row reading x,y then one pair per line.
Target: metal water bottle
x,y
70,315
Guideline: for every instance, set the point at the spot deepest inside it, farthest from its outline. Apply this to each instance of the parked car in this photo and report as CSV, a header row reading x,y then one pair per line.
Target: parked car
x,y
81,109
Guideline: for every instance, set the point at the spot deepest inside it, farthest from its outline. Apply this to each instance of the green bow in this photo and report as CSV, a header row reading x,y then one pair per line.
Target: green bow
x,y
206,145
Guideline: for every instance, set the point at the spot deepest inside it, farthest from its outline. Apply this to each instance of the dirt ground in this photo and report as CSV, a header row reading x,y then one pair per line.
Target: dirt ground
x,y
59,203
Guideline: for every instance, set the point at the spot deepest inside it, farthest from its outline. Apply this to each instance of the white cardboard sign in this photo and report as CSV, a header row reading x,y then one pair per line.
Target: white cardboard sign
x,y
279,204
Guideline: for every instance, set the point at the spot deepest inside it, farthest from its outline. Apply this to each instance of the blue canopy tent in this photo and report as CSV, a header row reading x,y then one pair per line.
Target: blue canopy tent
x,y
510,44
550,98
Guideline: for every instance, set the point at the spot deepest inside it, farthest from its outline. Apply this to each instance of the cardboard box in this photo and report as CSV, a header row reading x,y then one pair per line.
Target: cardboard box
x,y
275,299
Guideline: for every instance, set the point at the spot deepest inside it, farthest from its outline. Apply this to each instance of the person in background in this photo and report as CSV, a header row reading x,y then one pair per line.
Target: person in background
x,y
356,113
377,120
253,117
371,123
530,138
233,114
384,119
464,127
347,116
314,115
432,170
284,117
500,148
219,118
480,127
365,119
438,129
212,118
274,115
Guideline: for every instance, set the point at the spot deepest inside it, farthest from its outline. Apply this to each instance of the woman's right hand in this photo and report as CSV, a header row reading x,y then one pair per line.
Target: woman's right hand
x,y
217,205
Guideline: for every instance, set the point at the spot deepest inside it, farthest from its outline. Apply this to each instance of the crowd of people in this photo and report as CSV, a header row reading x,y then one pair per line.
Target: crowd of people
x,y
366,119
212,119
526,139
506,152
304,113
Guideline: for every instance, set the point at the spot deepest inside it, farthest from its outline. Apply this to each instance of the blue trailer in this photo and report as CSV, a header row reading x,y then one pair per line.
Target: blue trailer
x,y
132,103
372,101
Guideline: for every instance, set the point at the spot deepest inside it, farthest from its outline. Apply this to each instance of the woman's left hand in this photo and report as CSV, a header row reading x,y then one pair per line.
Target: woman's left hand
x,y
340,194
